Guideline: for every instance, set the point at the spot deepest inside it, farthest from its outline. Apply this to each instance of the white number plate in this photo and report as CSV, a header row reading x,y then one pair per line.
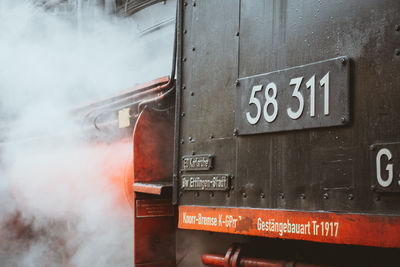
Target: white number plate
x,y
308,96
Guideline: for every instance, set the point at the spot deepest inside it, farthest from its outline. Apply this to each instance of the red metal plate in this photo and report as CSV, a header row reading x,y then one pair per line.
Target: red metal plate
x,y
154,208
327,227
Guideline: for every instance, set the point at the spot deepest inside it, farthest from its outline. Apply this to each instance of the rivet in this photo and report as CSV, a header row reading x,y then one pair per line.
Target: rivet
x,y
262,195
183,114
211,136
192,93
244,195
237,33
194,3
237,83
281,195
235,132
211,194
190,138
193,48
326,196
185,31
372,147
182,141
184,87
302,196
184,59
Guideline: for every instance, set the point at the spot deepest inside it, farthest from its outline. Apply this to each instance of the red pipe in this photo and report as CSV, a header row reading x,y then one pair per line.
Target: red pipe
x,y
218,260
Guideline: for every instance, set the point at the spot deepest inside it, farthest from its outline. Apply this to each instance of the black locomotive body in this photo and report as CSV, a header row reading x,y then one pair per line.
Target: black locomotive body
x,y
287,129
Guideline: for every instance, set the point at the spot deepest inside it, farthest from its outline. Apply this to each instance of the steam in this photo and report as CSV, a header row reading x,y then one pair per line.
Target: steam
x,y
57,204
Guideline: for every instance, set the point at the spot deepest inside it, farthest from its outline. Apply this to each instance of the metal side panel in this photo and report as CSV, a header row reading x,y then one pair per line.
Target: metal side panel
x,y
209,70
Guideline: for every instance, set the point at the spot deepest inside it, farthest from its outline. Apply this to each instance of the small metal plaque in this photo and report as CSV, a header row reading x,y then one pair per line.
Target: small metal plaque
x,y
197,163
385,162
205,182
154,208
309,96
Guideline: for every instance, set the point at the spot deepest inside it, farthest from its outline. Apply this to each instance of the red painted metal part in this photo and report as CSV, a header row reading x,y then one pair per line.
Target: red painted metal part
x,y
154,224
233,258
327,227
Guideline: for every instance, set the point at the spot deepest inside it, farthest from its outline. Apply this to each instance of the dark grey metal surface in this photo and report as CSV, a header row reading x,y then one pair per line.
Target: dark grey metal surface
x,y
283,100
312,169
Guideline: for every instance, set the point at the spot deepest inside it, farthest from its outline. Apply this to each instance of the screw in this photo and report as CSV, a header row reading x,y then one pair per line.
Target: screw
x,y
183,114
372,188
184,59
397,52
372,147
326,195
302,196
237,83
192,93
262,195
237,33
350,197
244,195
193,48
235,132
343,61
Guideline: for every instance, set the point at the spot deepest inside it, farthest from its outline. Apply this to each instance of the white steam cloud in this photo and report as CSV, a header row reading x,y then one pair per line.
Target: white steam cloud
x,y
59,205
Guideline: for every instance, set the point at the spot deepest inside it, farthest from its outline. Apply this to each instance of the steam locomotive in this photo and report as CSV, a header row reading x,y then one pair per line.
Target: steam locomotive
x,y
274,141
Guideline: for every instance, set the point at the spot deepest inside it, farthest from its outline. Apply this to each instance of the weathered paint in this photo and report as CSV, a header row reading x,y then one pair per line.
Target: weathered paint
x,y
356,229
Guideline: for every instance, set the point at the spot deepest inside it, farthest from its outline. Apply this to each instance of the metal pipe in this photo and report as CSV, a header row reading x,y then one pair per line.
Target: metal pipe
x,y
219,260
